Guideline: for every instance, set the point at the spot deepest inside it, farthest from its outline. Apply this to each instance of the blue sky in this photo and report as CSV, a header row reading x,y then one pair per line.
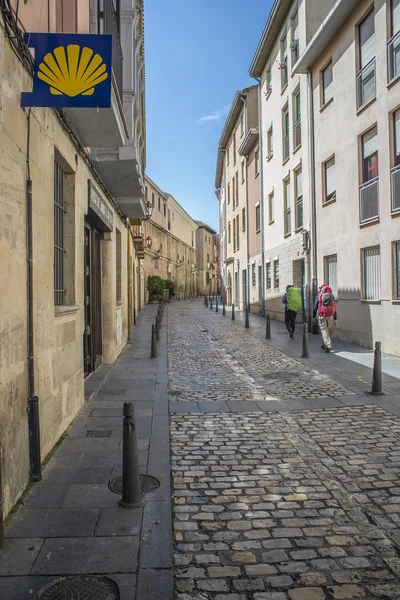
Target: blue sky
x,y
197,56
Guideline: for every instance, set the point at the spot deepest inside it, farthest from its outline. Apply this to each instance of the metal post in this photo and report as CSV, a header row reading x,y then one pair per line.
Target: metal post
x,y
223,309
216,304
233,312
206,302
157,328
246,317
131,489
34,438
268,328
304,353
153,342
377,371
210,303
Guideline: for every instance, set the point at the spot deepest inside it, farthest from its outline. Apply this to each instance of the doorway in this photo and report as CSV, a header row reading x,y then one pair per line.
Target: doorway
x,y
92,343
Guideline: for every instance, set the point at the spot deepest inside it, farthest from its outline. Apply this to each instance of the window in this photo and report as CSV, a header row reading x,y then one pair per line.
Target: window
x,y
285,126
369,189
118,247
271,206
207,277
366,80
287,207
237,187
192,238
152,199
327,83
234,148
268,273
237,232
146,194
243,169
229,193
396,270
233,192
284,62
159,204
371,273
294,45
330,273
268,80
227,155
276,274
59,250
243,219
257,162
297,121
299,199
234,234
229,233
208,260
169,219
242,125
394,42
253,275
258,219
395,172
165,210
270,141
329,177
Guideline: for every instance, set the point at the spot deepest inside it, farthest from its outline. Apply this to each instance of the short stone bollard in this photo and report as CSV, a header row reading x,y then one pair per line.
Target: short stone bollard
x,y
304,353
223,309
377,371
157,328
153,342
216,304
233,312
246,318
268,328
131,489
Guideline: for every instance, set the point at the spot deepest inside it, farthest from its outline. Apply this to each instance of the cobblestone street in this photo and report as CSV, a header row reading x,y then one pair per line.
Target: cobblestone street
x,y
289,487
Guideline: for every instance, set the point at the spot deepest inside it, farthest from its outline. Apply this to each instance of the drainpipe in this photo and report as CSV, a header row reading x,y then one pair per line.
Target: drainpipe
x,y
33,401
261,155
244,100
313,192
223,267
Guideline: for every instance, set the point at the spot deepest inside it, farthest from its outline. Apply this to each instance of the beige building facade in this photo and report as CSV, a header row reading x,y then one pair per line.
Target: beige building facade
x,y
169,241
67,255
207,272
354,59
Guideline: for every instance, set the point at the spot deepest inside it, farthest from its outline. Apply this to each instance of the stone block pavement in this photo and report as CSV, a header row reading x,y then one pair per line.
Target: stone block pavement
x,y
285,474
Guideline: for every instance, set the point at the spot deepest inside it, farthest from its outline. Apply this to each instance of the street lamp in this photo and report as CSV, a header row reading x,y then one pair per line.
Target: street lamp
x,y
150,208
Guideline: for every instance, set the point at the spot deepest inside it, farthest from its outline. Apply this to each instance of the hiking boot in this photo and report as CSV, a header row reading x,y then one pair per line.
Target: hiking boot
x,y
291,334
323,347
327,349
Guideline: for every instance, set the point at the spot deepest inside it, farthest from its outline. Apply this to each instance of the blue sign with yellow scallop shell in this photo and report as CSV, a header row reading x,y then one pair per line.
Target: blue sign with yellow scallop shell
x,y
71,70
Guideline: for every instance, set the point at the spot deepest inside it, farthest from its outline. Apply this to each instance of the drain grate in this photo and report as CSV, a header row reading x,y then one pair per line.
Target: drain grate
x,y
98,433
147,483
85,586
176,393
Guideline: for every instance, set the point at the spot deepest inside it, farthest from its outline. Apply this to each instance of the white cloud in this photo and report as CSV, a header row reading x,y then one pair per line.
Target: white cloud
x,y
217,115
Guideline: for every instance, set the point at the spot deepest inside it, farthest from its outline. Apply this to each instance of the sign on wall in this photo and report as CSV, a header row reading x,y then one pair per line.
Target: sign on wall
x,y
71,70
98,211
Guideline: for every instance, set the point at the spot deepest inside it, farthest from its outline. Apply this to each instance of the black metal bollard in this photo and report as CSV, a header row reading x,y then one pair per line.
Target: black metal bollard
x,y
210,303
304,353
223,309
205,300
268,328
158,328
216,304
131,489
153,342
233,312
35,469
246,318
377,371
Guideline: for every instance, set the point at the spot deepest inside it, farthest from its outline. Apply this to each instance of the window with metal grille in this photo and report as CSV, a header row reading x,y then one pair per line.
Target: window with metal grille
x,y
268,275
395,171
59,250
369,189
371,273
394,42
330,273
366,77
396,270
276,274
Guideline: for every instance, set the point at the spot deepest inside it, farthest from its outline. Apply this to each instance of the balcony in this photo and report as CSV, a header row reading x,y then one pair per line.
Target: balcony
x,y
366,84
138,240
395,179
394,57
369,201
104,127
286,148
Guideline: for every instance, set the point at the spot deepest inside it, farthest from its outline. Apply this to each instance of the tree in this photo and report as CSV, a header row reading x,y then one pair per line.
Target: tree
x,y
155,287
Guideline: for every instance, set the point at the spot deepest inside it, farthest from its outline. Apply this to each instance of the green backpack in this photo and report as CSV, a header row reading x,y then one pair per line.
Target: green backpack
x,y
294,301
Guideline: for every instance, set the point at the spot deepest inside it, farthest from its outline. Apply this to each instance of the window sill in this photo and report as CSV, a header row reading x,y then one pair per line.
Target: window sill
x,y
283,90
363,108
329,202
396,214
396,301
258,230
364,301
270,155
268,93
60,311
257,174
297,149
287,235
271,222
285,161
393,82
325,106
299,229
119,303
372,222
242,181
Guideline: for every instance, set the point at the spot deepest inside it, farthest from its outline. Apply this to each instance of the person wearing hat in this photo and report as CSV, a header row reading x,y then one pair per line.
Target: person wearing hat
x,y
325,310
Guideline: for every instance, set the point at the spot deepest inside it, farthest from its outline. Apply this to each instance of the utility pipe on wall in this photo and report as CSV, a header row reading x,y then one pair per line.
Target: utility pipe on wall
x,y
314,273
261,161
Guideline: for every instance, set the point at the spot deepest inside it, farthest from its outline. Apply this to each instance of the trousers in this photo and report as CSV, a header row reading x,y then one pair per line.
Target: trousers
x,y
290,320
326,325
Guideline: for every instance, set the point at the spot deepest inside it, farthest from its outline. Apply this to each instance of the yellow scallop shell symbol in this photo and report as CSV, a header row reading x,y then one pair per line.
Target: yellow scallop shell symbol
x,y
72,72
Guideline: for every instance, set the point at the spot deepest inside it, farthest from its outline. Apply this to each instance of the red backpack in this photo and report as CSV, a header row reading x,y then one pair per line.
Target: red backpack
x,y
326,302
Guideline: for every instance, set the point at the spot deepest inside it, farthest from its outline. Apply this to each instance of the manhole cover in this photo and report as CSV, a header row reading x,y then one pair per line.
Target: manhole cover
x,y
98,433
147,483
90,587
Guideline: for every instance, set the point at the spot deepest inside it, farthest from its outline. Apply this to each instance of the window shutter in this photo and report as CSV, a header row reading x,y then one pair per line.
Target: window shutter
x,y
370,142
397,132
330,177
367,40
299,184
396,16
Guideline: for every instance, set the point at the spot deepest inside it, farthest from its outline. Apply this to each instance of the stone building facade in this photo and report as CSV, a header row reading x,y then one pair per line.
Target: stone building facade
x,y
207,274
169,241
67,250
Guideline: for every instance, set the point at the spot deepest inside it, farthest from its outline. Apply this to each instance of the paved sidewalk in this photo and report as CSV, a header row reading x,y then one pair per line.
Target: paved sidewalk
x,y
70,523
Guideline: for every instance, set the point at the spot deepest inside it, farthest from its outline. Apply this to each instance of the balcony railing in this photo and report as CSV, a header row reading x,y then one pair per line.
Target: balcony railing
x,y
288,221
286,147
369,200
395,178
366,84
297,134
111,28
394,57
